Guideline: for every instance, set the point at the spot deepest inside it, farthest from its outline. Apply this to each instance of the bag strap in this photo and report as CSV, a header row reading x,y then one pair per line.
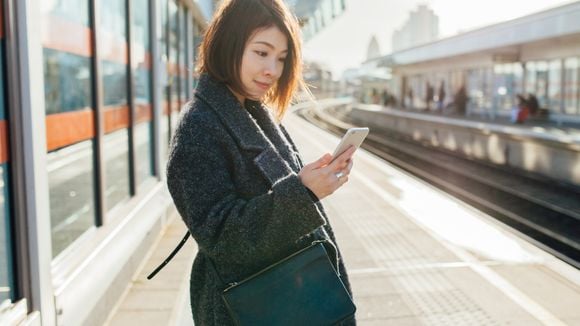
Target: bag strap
x,y
182,243
174,252
171,255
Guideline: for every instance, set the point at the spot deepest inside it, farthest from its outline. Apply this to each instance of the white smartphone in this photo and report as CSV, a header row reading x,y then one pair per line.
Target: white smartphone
x,y
352,137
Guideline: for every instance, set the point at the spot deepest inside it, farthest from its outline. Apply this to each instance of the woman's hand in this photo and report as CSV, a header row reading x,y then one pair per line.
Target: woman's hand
x,y
323,177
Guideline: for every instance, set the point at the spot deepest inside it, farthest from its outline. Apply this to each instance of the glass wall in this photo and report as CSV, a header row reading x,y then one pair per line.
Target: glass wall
x,y
572,86
487,88
70,127
6,262
537,81
475,88
70,120
184,58
113,51
142,80
494,89
555,85
508,82
337,7
174,68
327,12
162,35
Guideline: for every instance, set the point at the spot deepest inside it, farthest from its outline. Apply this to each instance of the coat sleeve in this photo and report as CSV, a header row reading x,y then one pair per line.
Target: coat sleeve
x,y
199,178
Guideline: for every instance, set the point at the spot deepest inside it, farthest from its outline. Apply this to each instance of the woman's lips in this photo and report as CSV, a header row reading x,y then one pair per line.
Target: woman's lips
x,y
263,86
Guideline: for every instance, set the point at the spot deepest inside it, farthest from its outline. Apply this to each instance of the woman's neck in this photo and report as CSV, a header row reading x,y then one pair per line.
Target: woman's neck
x,y
238,96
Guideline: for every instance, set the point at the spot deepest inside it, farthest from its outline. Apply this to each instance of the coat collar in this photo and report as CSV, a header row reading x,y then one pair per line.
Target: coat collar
x,y
232,114
275,156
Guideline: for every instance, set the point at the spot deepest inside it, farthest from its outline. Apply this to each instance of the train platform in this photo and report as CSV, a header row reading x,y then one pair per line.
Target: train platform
x,y
415,256
539,148
562,131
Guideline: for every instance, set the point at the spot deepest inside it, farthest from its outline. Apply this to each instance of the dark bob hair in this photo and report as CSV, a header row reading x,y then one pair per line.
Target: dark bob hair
x,y
224,42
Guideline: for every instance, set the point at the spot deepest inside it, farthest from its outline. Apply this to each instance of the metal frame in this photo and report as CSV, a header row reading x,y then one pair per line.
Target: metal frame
x,y
188,40
99,141
17,173
131,102
170,79
28,136
155,88
167,88
578,88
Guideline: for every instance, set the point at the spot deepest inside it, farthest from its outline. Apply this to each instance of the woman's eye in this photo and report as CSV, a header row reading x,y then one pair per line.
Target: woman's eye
x,y
261,53
282,60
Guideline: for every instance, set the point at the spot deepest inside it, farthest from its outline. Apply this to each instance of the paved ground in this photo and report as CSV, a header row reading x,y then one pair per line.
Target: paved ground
x,y
415,257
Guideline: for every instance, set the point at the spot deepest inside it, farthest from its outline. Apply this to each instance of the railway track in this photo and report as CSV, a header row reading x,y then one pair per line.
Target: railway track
x,y
540,210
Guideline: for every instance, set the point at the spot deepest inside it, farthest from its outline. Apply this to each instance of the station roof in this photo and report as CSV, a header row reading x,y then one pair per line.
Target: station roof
x,y
553,23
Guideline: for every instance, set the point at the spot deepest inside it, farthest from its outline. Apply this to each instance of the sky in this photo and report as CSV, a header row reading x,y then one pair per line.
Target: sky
x,y
343,44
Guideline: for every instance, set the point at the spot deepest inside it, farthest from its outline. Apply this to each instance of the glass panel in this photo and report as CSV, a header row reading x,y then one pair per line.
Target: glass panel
x,y
69,120
196,42
517,79
6,264
488,88
142,74
336,7
509,82
501,81
555,85
6,260
572,86
184,55
327,12
190,62
174,68
70,72
542,83
531,77
474,83
113,47
164,48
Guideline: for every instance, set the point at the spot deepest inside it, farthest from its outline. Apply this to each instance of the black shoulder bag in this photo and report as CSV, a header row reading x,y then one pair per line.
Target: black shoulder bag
x,y
301,289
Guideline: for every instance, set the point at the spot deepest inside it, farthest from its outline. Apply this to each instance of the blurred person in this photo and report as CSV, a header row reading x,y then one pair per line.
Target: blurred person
x,y
441,97
385,97
533,104
429,95
521,110
234,172
460,101
374,96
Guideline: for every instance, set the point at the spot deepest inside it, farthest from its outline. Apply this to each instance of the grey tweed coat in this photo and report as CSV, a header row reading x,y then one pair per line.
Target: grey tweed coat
x,y
233,176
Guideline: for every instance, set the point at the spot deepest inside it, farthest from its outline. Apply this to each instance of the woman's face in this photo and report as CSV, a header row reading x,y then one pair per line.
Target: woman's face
x,y
263,61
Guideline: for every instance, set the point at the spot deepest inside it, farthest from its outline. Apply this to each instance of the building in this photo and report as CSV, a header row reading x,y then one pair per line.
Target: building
x,y
373,50
536,54
421,27
315,15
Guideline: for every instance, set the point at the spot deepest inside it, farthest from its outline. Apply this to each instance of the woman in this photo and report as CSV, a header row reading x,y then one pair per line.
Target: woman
x,y
234,173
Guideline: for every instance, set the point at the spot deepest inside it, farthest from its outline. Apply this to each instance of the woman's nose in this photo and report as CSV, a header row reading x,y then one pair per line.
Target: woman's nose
x,y
272,68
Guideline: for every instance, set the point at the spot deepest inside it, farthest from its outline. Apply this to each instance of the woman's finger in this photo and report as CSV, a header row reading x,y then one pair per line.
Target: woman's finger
x,y
338,163
322,161
349,167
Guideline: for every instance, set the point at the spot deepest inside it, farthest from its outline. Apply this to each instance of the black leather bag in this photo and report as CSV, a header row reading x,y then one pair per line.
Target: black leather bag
x,y
301,289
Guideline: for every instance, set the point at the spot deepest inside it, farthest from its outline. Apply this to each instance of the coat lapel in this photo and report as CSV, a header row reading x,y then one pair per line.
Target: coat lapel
x,y
243,128
274,132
